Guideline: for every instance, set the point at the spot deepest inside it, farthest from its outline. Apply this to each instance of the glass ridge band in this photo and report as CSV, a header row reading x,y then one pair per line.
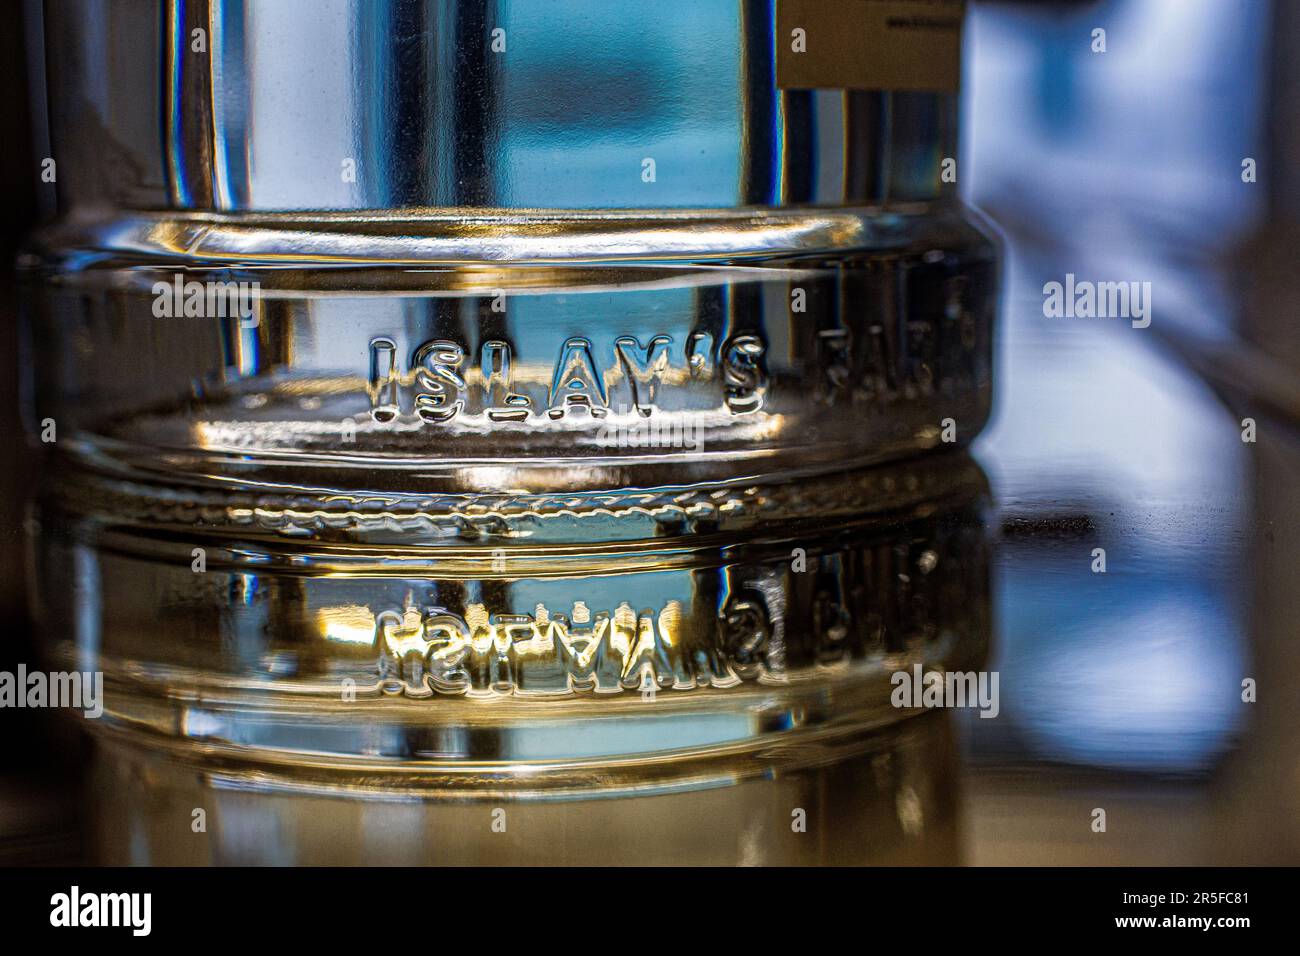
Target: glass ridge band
x,y
758,364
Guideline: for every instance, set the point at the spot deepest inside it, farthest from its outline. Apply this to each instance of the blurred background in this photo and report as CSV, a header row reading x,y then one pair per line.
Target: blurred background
x,y
1120,690
1124,689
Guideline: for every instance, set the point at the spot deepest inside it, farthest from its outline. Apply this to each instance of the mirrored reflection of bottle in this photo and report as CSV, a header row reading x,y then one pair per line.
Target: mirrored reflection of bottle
x,y
464,406
671,676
